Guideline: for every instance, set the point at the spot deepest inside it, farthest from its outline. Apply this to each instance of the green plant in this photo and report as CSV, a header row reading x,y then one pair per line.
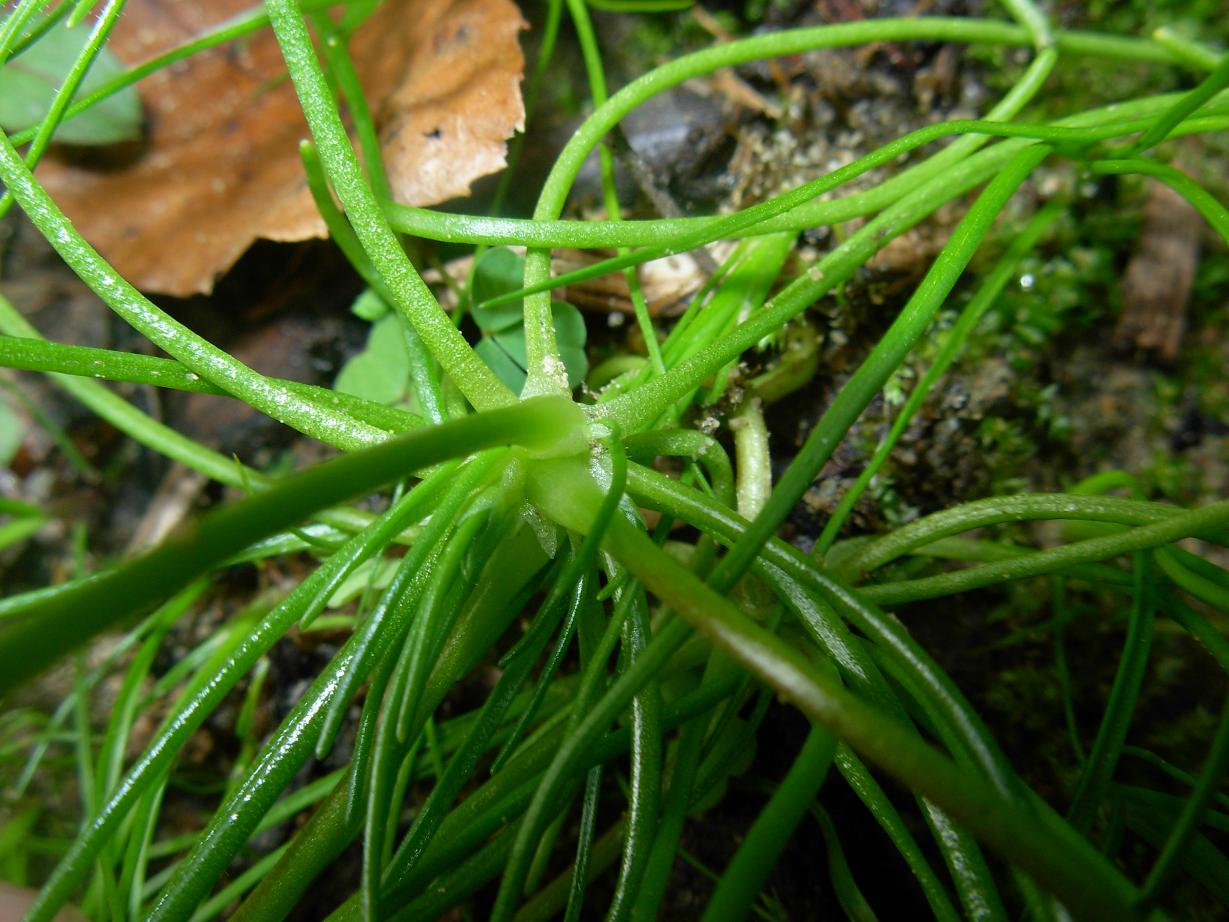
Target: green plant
x,y
502,346
640,651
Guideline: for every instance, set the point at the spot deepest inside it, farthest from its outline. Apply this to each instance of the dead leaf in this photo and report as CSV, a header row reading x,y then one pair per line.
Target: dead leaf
x,y
220,166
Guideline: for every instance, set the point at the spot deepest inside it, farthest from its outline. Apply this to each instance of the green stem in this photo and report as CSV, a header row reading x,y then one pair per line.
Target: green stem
x,y
790,212
15,22
884,359
771,831
637,411
781,44
1207,519
876,800
410,295
306,726
1006,509
86,361
1098,772
646,767
388,751
589,135
198,704
234,28
655,398
1213,211
1187,825
1212,84
814,598
857,908
68,88
660,492
1053,854
483,811
694,446
200,356
131,421
539,329
718,521
73,617
517,669
546,374
584,847
986,295
1197,55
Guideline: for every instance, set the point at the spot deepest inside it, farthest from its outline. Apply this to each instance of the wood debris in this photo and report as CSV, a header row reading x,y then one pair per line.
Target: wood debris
x,y
1158,280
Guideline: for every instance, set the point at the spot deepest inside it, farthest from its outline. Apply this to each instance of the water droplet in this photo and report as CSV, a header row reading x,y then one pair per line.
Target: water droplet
x,y
1028,281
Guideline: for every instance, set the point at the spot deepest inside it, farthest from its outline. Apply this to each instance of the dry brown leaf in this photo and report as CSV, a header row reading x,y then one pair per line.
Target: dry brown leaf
x,y
221,168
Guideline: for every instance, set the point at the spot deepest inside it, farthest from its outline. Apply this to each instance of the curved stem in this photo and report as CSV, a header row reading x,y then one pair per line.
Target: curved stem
x,y
696,446
411,296
781,44
157,757
790,212
36,637
1052,853
589,135
1099,769
131,421
61,358
770,833
202,357
541,351
1202,521
997,510
986,295
883,359
68,87
1213,211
